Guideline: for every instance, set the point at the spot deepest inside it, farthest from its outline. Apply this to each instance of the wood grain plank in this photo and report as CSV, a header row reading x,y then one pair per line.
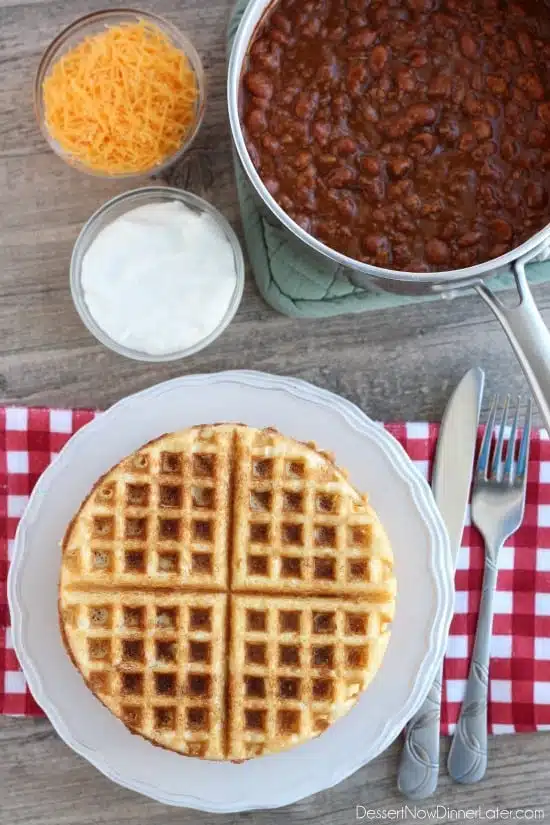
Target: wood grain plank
x,y
43,779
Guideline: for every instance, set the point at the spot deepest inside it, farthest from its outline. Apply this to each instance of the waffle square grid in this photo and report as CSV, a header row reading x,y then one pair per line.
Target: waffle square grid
x,y
162,657
297,528
294,666
223,654
163,521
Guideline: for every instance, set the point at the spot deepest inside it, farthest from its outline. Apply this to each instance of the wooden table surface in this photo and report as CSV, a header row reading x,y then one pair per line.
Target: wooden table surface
x,y
398,364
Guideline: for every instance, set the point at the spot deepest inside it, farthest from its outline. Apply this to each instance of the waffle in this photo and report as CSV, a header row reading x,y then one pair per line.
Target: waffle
x,y
297,665
299,525
156,661
159,518
226,592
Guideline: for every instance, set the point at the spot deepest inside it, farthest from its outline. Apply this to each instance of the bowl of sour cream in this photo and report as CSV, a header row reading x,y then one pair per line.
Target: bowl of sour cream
x,y
157,274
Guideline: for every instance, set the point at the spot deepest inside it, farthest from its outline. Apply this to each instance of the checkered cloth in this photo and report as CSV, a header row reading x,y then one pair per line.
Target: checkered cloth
x,y
520,649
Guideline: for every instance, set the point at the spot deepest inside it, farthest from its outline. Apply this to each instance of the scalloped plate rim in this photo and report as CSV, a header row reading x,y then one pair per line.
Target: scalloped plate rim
x,y
419,490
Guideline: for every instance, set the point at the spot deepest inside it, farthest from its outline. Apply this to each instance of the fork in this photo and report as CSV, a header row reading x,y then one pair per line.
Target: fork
x,y
498,503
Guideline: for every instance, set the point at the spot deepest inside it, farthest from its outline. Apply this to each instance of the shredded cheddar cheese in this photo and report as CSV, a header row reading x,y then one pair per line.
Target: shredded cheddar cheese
x,y
121,101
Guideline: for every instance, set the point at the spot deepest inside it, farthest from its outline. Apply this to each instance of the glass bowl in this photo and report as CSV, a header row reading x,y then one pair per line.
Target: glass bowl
x,y
120,205
96,23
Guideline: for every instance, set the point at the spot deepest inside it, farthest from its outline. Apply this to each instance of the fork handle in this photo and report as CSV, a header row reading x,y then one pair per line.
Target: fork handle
x,y
467,761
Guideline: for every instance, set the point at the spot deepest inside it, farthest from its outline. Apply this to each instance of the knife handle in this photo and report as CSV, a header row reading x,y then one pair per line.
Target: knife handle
x,y
419,766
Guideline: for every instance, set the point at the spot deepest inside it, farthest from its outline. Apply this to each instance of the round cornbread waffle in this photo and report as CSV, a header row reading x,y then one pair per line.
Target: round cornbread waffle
x,y
226,592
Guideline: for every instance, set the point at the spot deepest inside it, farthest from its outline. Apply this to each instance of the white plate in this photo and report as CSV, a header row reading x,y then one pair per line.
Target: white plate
x,y
377,464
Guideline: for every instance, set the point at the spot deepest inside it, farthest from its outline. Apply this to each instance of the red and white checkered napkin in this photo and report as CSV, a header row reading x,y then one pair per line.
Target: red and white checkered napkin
x,y
520,664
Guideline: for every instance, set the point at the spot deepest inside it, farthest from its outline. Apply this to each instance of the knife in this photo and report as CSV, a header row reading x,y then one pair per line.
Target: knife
x,y
452,473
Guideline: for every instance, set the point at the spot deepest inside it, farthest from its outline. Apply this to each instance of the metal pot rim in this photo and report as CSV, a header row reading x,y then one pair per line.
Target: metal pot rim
x,y
472,274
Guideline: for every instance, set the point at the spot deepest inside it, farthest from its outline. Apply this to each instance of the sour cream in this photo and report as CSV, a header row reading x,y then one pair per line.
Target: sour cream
x,y
159,278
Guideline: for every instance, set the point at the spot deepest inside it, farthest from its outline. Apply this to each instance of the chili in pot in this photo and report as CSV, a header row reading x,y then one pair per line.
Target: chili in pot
x,y
408,134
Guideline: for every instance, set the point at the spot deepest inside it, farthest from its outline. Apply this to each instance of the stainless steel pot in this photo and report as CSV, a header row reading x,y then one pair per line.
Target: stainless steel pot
x,y
523,324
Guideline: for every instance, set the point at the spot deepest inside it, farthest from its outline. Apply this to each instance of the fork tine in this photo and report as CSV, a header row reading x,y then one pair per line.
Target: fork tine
x,y
523,457
484,453
499,449
511,450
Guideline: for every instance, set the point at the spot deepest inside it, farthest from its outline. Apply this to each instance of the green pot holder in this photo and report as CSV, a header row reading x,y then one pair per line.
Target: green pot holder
x,y
296,280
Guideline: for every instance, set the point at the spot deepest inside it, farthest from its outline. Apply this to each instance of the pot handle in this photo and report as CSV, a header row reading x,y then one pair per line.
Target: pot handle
x,y
528,335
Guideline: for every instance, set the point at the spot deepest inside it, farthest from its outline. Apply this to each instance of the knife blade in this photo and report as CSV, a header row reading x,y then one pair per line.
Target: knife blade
x,y
452,474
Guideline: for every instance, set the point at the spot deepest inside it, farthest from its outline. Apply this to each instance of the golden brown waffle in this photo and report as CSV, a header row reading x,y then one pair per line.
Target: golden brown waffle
x,y
159,518
226,592
156,661
299,525
296,665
